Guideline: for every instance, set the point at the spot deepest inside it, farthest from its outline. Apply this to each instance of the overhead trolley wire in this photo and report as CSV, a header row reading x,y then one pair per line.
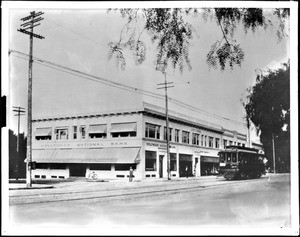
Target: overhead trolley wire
x,y
116,84
106,46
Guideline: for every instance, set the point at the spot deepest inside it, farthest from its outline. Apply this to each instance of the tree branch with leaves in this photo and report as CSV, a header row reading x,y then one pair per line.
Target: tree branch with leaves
x,y
171,33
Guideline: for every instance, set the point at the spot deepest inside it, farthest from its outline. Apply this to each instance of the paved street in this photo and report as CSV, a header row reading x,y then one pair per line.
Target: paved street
x,y
194,202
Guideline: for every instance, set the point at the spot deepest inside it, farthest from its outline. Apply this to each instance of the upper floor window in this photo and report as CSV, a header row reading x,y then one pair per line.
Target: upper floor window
x,y
195,139
123,129
170,134
61,133
152,131
202,140
97,131
205,141
43,134
225,143
217,142
82,131
210,141
185,137
74,132
176,135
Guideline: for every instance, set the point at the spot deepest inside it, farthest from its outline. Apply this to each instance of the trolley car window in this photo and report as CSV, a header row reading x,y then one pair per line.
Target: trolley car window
x,y
228,157
222,157
234,158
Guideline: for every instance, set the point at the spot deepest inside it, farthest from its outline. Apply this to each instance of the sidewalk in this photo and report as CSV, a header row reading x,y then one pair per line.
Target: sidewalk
x,y
46,184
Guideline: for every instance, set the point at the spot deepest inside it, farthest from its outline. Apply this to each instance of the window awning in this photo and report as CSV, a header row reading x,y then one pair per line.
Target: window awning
x,y
123,127
104,155
99,128
43,132
211,159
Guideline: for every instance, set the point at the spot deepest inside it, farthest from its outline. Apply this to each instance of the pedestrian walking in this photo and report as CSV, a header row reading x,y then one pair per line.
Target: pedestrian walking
x,y
187,171
130,174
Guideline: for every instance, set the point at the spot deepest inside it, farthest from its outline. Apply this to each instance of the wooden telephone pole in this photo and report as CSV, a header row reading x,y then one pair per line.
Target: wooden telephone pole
x,y
27,28
20,111
167,85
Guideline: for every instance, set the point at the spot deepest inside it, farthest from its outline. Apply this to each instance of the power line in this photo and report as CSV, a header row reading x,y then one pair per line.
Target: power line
x,y
119,85
106,46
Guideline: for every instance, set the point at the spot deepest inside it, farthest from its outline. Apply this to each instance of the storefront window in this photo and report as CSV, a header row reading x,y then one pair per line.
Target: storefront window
x,y
185,137
173,162
58,166
125,167
150,157
152,131
100,166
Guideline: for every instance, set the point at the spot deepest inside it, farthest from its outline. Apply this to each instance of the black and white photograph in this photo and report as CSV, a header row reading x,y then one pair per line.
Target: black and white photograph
x,y
149,118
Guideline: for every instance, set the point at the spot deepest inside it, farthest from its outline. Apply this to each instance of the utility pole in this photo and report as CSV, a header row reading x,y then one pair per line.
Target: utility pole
x,y
20,111
273,146
273,143
167,85
29,23
248,131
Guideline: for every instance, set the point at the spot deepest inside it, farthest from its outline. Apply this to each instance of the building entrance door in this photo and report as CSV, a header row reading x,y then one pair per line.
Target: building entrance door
x,y
77,170
161,159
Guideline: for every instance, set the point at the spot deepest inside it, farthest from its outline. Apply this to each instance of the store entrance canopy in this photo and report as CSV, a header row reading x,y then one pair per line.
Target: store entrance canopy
x,y
104,155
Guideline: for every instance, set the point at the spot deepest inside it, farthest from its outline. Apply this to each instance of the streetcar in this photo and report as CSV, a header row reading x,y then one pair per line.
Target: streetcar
x,y
236,162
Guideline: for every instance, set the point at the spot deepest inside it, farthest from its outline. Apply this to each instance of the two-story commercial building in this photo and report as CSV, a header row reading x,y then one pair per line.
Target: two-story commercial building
x,y
110,143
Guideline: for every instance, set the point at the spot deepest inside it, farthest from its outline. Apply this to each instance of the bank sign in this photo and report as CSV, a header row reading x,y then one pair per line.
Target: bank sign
x,y
84,144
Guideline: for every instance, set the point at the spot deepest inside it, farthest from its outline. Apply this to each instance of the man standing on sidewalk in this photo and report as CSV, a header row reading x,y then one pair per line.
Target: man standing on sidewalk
x,y
130,174
187,171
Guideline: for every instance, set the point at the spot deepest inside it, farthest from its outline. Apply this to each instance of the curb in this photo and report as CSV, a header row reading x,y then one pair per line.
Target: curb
x,y
25,188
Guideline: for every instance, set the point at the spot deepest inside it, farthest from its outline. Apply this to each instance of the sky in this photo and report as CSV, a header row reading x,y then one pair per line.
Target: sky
x,y
77,37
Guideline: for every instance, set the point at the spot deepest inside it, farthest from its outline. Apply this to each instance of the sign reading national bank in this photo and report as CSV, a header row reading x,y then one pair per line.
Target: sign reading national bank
x,y
86,144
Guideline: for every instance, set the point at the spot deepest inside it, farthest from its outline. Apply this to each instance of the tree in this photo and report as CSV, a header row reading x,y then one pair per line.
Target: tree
x,y
171,32
17,166
267,105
